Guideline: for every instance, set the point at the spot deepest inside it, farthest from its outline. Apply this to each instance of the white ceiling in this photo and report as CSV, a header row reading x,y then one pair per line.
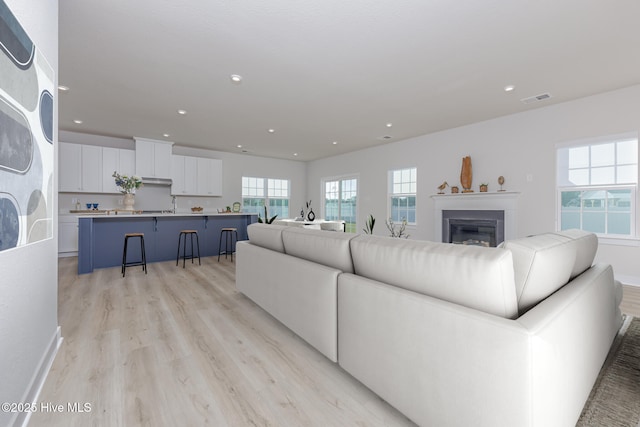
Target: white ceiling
x,y
319,71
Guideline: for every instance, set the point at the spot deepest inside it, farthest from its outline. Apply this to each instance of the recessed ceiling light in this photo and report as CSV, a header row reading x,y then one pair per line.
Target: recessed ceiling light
x,y
239,145
63,88
236,78
335,142
166,135
182,112
271,130
509,88
295,154
389,125
78,122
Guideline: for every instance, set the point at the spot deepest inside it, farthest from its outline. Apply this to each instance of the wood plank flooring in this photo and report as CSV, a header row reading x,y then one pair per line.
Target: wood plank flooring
x,y
181,347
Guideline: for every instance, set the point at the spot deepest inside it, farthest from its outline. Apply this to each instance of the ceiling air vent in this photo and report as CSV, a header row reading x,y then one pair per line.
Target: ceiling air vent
x,y
385,137
536,98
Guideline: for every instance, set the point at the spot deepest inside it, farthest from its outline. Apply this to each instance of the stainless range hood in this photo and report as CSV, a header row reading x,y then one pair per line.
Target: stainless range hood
x,y
149,180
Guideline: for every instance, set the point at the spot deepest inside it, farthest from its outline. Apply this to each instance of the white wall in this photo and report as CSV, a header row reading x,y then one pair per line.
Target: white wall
x,y
515,146
234,166
28,283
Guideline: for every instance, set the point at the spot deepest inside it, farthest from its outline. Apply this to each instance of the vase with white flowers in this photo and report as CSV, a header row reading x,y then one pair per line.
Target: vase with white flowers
x,y
127,185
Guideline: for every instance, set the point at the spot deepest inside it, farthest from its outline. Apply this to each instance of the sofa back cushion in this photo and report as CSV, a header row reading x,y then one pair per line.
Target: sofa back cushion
x,y
586,244
266,235
324,247
475,277
544,263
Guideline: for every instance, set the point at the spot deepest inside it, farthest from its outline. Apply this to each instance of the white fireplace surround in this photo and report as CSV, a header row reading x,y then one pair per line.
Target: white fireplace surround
x,y
506,201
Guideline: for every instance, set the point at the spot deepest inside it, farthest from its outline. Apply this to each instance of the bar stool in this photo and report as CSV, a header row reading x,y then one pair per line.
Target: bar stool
x,y
190,234
228,233
142,262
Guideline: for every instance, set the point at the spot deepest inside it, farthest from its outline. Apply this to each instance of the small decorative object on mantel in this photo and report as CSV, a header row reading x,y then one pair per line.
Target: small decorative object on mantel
x,y
466,175
455,189
484,187
442,186
501,181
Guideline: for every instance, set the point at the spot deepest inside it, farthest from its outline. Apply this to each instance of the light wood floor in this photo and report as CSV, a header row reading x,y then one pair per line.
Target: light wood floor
x,y
181,347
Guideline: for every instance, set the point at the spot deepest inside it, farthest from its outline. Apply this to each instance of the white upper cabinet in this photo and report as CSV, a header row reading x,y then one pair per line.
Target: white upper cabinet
x,y
196,176
119,160
80,168
209,177
153,158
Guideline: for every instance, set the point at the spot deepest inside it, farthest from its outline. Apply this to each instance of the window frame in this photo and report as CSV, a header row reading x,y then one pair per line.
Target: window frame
x,y
349,227
266,198
563,185
391,194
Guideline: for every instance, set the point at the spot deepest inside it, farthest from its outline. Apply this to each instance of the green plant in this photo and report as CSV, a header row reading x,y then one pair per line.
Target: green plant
x,y
127,184
400,232
267,220
371,222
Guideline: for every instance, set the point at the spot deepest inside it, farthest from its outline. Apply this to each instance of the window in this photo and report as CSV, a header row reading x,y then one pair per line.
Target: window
x,y
260,192
597,185
402,195
340,200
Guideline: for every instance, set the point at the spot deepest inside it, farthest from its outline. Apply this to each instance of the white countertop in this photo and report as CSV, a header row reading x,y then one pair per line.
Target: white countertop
x,y
121,214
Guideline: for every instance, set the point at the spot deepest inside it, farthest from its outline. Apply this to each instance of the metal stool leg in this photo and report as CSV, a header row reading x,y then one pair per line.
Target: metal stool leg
x,y
178,256
144,255
198,245
220,245
124,256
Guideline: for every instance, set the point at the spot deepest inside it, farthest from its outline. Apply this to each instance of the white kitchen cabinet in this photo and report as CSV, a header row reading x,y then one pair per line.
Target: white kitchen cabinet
x,y
67,235
70,167
153,158
119,160
209,181
184,175
80,168
196,176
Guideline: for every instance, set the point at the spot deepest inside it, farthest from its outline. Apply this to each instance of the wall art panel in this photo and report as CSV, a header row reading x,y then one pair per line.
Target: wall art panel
x,y
26,137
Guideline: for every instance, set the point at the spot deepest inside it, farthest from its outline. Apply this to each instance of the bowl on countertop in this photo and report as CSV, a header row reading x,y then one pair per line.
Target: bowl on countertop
x,y
196,209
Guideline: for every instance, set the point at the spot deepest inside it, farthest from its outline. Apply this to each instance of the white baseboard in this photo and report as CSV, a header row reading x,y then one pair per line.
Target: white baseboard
x,y
37,382
628,280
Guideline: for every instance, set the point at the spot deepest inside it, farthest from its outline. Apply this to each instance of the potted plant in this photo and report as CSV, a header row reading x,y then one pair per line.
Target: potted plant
x,y
127,185
484,187
368,227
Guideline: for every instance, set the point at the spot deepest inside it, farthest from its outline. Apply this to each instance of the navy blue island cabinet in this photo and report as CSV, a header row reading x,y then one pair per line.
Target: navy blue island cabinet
x,y
101,237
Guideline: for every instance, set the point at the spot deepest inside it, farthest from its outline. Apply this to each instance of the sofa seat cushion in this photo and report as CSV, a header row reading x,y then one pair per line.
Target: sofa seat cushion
x,y
266,235
324,247
475,277
543,264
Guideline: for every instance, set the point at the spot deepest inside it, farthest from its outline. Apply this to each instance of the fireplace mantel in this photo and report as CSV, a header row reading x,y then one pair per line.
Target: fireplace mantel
x,y
506,201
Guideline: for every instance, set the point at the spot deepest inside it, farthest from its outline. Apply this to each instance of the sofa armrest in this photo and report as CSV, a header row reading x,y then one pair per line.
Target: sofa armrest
x,y
573,330
301,294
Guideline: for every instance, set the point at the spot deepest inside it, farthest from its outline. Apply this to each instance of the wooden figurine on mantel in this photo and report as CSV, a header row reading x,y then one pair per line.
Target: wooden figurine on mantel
x,y
441,187
501,182
466,175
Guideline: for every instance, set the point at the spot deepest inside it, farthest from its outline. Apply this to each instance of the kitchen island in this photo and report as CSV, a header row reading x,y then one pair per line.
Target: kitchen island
x,y
101,237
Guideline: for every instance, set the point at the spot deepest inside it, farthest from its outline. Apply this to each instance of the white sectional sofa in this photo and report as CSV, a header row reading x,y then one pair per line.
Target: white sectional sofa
x,y
450,335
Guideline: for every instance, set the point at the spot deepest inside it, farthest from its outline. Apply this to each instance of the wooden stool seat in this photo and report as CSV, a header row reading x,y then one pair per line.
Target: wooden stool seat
x,y
228,232
185,257
143,260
